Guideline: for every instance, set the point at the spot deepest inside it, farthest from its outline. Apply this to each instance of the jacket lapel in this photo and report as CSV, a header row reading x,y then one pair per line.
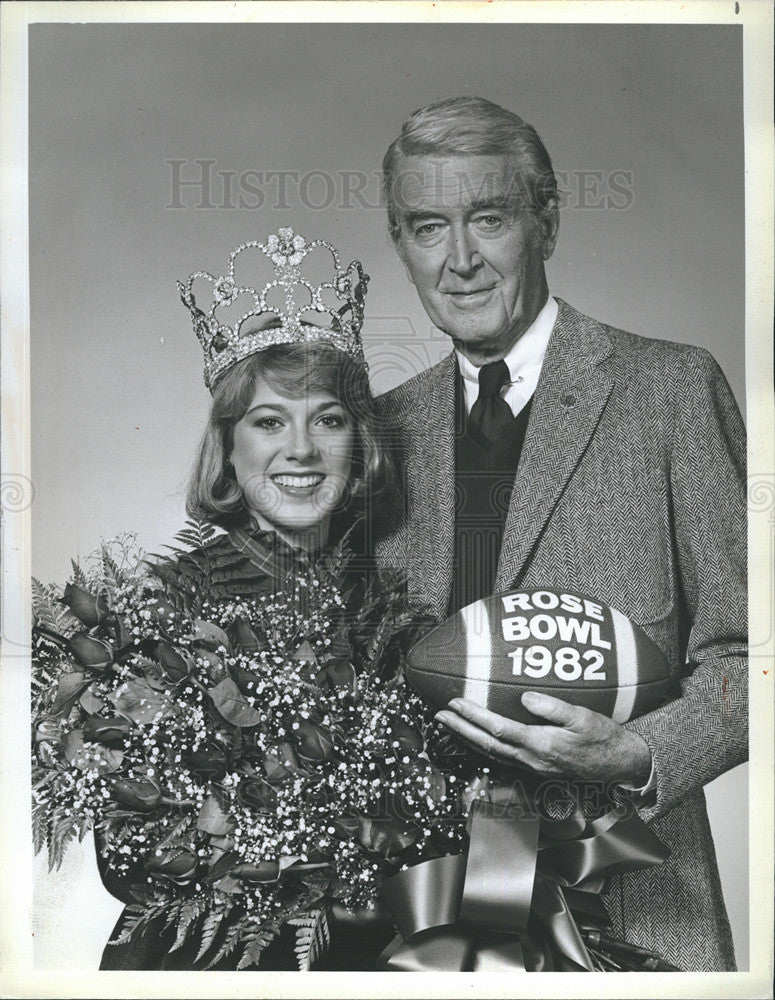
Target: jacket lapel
x,y
572,391
430,478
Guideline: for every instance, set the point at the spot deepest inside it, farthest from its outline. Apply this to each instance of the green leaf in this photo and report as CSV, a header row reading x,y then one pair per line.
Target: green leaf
x,y
135,917
280,763
256,941
39,821
72,745
79,577
210,635
68,689
140,702
91,703
229,885
233,705
196,533
178,833
305,653
89,758
213,818
50,612
62,831
220,868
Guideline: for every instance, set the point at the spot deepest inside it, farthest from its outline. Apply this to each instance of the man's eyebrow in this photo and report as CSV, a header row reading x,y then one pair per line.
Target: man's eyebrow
x,y
421,216
500,201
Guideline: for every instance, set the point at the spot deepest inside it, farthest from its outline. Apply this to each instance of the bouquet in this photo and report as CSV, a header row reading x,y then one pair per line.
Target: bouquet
x,y
244,764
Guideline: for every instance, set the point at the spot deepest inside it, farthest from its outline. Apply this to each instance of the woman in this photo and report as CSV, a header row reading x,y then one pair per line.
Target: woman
x,y
291,452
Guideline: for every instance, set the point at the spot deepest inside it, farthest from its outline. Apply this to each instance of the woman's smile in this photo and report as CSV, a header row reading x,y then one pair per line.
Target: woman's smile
x,y
298,484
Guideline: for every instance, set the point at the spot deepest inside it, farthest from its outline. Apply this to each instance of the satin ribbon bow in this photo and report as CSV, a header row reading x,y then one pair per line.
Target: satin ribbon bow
x,y
509,902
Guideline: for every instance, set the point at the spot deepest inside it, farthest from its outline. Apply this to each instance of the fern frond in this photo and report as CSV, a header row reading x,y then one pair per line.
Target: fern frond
x,y
313,936
135,917
61,831
189,915
79,577
50,612
39,822
228,945
255,941
175,832
196,533
211,924
173,913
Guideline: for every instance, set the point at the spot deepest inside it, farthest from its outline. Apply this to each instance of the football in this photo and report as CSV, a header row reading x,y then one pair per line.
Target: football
x,y
561,643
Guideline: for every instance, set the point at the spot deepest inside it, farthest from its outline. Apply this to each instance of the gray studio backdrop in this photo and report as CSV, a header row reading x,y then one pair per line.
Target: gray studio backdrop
x,y
154,150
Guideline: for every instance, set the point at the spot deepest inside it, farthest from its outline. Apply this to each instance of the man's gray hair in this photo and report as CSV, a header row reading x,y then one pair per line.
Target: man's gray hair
x,y
473,126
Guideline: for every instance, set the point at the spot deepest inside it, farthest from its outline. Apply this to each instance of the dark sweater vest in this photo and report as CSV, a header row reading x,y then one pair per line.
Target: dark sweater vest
x,y
484,478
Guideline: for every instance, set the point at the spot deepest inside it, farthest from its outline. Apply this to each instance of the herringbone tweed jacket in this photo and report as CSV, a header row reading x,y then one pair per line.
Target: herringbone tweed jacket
x,y
631,487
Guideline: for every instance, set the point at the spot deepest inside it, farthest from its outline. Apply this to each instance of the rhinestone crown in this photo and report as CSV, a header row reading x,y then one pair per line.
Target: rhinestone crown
x,y
225,344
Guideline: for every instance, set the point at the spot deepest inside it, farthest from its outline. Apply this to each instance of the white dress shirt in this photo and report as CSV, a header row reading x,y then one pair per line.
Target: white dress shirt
x,y
524,362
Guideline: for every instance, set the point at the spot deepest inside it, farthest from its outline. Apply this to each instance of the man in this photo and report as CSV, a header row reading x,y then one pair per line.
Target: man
x,y
550,450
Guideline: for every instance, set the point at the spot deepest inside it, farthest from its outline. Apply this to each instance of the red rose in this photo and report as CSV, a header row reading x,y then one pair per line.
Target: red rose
x,y
88,608
346,827
210,762
177,865
96,654
257,794
174,665
141,796
313,742
386,837
410,741
111,732
243,636
264,871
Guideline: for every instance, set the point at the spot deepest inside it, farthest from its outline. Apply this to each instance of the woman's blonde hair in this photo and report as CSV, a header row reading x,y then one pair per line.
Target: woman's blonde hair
x,y
293,370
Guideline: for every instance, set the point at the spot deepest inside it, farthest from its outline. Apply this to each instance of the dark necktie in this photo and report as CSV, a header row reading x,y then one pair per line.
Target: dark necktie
x,y
490,415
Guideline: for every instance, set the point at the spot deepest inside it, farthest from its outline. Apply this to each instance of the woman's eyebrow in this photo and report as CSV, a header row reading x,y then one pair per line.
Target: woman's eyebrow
x,y
279,408
275,407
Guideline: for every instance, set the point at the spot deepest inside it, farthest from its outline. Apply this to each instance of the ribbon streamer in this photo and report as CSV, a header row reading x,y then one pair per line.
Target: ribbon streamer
x,y
512,900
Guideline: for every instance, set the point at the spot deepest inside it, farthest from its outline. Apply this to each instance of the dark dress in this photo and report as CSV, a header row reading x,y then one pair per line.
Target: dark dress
x,y
243,563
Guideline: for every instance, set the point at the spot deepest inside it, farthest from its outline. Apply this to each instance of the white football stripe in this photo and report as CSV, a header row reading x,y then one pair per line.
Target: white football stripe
x,y
476,628
626,663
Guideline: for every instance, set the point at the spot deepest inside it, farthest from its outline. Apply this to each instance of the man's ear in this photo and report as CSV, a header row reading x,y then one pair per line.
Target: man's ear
x,y
550,224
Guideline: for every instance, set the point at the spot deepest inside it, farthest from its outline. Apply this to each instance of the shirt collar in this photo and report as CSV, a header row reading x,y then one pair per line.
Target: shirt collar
x,y
526,356
267,550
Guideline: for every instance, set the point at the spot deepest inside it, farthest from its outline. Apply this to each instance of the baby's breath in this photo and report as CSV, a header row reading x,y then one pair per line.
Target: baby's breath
x,y
251,776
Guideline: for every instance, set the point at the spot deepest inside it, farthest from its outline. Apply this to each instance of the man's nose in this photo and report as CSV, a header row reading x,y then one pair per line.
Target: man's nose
x,y
464,257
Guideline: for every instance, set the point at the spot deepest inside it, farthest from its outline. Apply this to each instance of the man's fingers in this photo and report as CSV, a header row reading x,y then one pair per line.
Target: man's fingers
x,y
554,709
498,725
484,740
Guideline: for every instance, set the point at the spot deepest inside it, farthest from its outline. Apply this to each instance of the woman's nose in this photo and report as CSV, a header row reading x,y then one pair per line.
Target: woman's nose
x,y
301,444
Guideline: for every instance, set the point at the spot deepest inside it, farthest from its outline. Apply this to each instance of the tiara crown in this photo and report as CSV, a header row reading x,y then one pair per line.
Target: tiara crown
x,y
225,344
